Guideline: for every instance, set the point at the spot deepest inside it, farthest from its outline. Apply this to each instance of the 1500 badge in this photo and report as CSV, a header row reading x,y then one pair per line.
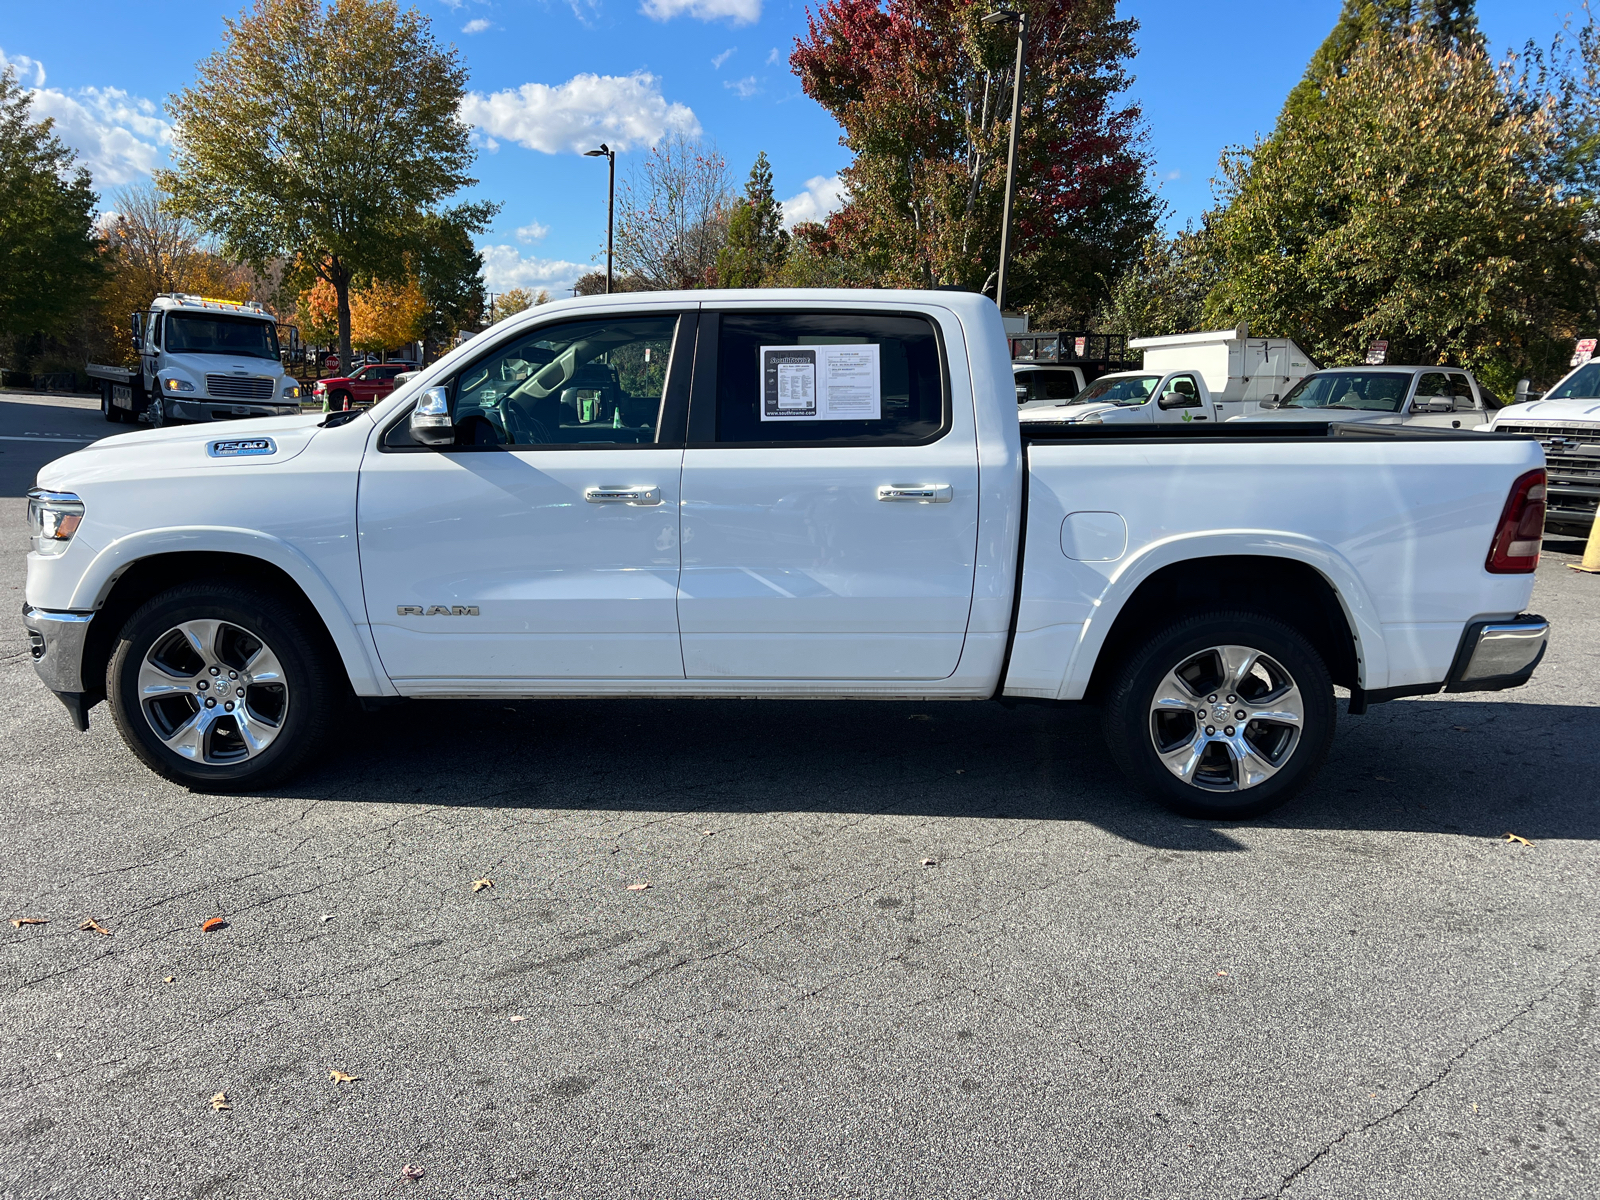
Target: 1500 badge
x,y
242,447
437,610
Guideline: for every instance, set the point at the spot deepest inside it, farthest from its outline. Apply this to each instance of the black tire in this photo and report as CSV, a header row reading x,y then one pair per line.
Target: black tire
x,y
107,409
304,706
1286,753
157,412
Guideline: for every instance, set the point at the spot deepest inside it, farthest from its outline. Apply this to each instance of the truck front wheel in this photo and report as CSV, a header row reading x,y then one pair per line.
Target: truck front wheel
x,y
1222,715
221,687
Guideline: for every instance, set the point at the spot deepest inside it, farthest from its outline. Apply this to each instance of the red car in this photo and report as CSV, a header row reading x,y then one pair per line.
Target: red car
x,y
360,388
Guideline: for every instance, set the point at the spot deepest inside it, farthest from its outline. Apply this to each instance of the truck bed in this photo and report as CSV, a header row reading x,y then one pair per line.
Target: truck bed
x,y
1251,431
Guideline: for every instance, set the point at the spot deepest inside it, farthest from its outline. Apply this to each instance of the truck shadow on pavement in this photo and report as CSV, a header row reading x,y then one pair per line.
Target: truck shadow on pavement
x,y
1467,768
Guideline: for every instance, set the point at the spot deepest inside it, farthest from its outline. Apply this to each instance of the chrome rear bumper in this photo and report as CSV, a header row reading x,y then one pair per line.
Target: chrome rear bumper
x,y
1495,655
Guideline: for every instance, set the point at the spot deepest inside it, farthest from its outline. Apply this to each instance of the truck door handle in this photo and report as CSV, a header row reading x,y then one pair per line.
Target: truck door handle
x,y
622,495
915,493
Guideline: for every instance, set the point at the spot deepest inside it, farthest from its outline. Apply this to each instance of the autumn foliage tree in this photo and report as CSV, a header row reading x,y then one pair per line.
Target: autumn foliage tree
x,y
922,90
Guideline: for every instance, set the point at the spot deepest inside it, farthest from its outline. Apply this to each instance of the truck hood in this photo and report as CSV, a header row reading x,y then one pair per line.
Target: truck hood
x,y
1056,410
1557,412
218,445
201,365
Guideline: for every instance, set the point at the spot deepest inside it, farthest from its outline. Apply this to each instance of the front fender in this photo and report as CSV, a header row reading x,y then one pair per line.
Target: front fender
x,y
1372,660
352,639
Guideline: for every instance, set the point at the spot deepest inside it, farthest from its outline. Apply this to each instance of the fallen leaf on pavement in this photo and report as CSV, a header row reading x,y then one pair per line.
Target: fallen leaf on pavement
x,y
214,924
220,1102
519,1017
1383,779
412,1173
479,884
91,923
919,717
930,862
638,887
1511,837
708,833
1221,972
326,917
341,1077
961,770
170,979
19,922
1461,729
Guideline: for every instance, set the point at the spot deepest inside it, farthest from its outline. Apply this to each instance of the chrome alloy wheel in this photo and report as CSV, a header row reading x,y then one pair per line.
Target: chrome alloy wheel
x,y
1226,719
213,692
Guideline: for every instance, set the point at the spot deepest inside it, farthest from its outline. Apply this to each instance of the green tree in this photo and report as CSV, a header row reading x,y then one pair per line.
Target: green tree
x,y
450,269
922,90
758,244
1423,200
327,133
1165,291
50,260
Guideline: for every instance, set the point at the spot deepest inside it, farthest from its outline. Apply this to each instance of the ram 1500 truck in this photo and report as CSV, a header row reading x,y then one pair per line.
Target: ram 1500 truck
x,y
776,494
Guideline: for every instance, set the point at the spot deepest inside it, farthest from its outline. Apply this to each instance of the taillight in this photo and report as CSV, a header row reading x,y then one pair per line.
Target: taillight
x,y
1515,550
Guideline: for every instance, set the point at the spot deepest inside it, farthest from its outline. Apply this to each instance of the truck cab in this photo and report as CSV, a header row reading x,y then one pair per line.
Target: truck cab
x,y
1566,420
1418,396
1176,398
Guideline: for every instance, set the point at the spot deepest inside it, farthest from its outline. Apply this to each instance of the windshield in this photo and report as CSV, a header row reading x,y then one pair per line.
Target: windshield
x,y
1124,389
1364,391
1582,384
191,333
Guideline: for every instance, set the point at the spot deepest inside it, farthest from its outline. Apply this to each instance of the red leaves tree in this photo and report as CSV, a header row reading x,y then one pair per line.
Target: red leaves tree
x,y
922,90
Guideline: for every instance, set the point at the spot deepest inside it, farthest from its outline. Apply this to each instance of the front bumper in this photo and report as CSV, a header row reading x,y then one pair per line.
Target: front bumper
x,y
229,410
56,640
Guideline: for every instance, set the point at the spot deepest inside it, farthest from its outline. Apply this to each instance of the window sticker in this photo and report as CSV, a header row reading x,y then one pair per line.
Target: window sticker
x,y
821,383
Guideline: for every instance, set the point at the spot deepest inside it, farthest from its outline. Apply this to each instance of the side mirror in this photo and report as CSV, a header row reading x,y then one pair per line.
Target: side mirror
x,y
1523,387
1173,400
138,330
1022,394
1272,401
430,419
1437,404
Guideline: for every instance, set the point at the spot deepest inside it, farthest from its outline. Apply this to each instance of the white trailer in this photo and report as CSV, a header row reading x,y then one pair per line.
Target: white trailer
x,y
1240,371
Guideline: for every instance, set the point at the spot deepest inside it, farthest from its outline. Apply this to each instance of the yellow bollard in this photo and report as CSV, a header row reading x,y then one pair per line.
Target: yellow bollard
x,y
1591,552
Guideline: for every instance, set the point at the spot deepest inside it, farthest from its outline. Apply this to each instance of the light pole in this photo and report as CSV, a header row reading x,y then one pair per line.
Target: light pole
x,y
1010,16
611,199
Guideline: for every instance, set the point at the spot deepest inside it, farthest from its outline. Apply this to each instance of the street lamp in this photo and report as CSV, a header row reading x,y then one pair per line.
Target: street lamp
x,y
1010,16
611,199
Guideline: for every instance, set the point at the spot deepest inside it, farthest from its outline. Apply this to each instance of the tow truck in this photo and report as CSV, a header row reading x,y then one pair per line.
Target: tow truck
x,y
200,359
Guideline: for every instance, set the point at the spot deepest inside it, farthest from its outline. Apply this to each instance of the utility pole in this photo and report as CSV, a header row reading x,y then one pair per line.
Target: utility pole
x,y
611,200
1009,16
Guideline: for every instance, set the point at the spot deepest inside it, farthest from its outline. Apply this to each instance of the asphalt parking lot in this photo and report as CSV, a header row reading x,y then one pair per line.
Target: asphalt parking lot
x,y
887,950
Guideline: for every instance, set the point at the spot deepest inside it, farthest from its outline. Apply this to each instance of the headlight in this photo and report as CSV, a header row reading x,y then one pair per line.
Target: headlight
x,y
319,387
178,385
292,392
53,517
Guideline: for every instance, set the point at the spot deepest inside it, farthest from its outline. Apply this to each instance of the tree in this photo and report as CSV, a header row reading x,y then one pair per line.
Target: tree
x,y
1449,24
450,270
1165,291
151,252
922,88
50,259
318,314
512,302
386,315
757,244
328,133
1421,200
672,216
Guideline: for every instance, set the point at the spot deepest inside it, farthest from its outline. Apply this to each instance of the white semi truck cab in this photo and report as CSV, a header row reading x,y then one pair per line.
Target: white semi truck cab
x,y
200,359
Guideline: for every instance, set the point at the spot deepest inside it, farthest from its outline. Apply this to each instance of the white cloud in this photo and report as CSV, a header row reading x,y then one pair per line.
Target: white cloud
x,y
532,232
746,87
118,136
504,267
740,12
476,25
772,58
824,194
1174,174
623,111
723,57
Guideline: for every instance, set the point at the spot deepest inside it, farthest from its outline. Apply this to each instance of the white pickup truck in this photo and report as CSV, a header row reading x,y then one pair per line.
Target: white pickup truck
x,y
1124,398
776,494
1566,419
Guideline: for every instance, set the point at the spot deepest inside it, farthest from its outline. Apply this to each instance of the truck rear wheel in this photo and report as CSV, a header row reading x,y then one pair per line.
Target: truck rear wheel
x,y
109,410
221,687
1222,715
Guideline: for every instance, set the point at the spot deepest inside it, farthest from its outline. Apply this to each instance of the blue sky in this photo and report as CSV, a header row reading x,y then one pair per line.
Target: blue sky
x,y
552,78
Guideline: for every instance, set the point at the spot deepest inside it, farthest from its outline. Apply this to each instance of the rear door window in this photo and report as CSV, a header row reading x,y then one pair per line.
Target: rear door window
x,y
786,378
